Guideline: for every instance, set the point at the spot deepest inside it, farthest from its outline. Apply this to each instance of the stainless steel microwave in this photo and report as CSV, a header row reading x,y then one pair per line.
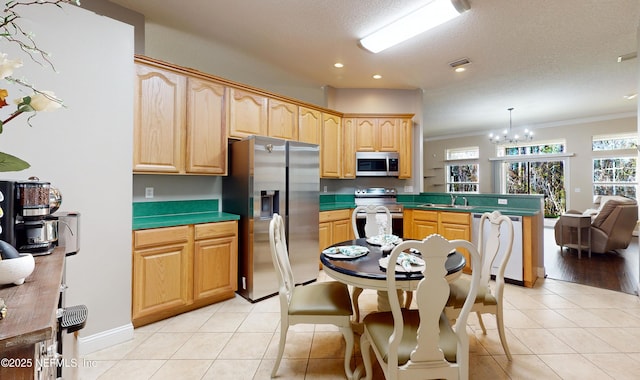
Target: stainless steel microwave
x,y
377,164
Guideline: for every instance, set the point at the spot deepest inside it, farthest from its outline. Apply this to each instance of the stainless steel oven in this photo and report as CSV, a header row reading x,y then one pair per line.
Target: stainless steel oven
x,y
385,196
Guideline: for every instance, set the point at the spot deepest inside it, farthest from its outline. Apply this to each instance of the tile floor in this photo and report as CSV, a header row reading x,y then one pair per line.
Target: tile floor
x,y
557,330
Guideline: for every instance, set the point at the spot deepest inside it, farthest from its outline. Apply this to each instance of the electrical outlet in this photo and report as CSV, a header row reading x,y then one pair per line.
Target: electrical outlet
x,y
502,201
408,189
148,192
325,189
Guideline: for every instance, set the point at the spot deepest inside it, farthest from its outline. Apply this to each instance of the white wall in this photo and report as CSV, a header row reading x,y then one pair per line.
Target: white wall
x,y
85,150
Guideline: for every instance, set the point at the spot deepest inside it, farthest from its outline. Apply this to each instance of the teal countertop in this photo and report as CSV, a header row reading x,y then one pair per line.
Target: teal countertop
x,y
178,213
523,205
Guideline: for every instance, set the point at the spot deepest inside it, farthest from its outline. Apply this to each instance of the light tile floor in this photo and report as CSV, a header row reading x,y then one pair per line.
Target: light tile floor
x,y
557,330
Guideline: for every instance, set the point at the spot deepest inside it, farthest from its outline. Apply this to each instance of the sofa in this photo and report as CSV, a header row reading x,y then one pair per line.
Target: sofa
x,y
612,224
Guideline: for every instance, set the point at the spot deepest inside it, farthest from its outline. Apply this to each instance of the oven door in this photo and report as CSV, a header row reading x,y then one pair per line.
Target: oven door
x,y
396,224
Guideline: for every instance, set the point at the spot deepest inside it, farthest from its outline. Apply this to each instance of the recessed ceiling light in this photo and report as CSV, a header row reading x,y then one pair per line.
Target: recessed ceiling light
x,y
631,96
460,69
338,65
377,76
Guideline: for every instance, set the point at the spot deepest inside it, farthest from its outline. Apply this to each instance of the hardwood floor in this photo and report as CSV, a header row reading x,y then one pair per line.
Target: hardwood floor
x,y
615,271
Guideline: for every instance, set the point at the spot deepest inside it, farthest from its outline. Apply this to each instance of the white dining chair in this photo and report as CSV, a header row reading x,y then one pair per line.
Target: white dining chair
x,y
315,303
489,299
421,343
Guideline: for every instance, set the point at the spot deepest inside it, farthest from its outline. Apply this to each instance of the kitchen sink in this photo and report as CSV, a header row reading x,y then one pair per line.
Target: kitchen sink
x,y
444,205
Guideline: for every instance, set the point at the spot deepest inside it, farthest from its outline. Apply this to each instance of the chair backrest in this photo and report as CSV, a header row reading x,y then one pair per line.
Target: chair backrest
x,y
431,296
280,258
490,243
377,221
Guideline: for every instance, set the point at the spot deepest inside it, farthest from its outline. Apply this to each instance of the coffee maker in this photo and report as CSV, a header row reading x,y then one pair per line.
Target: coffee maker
x,y
27,223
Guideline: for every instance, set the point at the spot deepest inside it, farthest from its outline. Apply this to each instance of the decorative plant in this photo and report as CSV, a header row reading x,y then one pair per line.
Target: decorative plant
x,y
37,100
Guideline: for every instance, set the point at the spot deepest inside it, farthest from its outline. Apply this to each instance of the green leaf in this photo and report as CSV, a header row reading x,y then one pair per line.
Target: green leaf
x,y
9,163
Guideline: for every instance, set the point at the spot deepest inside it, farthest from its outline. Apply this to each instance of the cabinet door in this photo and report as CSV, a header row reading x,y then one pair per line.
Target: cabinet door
x,y
161,280
366,135
206,128
388,132
330,161
309,124
406,148
215,268
342,230
349,148
159,120
424,228
247,114
283,120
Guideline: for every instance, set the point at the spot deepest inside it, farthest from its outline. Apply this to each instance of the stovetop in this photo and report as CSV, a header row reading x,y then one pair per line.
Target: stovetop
x,y
385,196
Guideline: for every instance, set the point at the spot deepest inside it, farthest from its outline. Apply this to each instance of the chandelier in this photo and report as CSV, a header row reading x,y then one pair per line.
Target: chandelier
x,y
508,137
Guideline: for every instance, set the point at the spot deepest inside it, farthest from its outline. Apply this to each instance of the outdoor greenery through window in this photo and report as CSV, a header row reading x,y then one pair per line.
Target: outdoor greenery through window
x,y
462,176
533,173
615,174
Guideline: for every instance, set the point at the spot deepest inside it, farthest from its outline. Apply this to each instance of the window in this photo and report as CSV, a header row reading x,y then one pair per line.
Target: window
x,y
614,173
532,149
462,176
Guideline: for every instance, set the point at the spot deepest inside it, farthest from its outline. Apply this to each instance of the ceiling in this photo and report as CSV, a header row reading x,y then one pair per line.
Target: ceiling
x,y
553,61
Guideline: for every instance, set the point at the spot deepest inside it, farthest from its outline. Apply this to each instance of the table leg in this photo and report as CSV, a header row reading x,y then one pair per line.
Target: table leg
x,y
579,242
383,300
354,300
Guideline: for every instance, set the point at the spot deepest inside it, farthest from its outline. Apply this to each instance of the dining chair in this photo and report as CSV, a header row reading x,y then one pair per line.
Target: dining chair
x,y
378,221
315,303
489,299
421,343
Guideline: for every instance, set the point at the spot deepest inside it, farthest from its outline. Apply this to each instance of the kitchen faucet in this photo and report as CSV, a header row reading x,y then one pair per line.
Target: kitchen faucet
x,y
466,202
453,200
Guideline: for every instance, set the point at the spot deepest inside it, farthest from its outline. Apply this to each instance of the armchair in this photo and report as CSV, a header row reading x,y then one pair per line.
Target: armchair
x,y
612,225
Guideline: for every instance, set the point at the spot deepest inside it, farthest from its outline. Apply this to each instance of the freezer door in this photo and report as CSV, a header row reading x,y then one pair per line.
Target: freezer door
x,y
303,210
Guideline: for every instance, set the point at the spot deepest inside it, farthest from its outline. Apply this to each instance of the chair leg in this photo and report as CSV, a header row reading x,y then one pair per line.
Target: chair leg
x,y
348,352
365,350
354,300
503,336
484,329
283,339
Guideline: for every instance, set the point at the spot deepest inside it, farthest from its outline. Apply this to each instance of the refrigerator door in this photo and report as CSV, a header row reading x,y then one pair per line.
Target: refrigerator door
x,y
255,189
303,210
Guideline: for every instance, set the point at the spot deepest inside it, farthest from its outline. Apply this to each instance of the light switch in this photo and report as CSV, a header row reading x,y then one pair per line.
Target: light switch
x,y
148,192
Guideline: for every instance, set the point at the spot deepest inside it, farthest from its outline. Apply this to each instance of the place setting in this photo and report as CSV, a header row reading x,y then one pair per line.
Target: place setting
x,y
346,252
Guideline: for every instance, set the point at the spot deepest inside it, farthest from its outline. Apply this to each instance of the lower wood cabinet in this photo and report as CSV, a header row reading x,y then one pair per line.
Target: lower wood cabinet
x,y
335,226
177,269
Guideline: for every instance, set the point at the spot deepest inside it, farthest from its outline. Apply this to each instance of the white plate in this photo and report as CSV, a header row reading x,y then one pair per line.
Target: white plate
x,y
412,263
346,252
384,239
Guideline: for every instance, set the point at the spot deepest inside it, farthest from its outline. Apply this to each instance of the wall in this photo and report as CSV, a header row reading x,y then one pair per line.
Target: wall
x,y
85,150
577,134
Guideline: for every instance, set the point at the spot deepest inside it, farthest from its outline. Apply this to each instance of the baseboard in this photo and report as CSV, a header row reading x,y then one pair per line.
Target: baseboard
x,y
541,272
104,339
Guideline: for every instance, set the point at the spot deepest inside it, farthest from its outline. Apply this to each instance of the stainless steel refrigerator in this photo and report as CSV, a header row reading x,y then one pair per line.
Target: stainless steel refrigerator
x,y
267,176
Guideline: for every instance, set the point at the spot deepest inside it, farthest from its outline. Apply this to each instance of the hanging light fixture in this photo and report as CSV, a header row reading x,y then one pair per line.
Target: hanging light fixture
x,y
508,137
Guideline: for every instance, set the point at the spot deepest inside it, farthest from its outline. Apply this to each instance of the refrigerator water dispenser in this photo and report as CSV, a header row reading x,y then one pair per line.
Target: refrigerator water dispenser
x,y
269,203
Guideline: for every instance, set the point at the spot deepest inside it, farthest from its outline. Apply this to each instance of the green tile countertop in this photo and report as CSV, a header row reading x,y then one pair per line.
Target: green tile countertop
x,y
178,213
330,202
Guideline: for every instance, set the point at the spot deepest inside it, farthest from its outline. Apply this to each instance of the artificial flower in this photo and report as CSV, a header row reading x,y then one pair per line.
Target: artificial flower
x,y
7,66
40,101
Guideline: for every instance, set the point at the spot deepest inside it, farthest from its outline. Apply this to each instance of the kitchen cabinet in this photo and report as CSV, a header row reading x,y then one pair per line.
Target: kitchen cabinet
x,y
406,148
179,122
206,127
377,134
330,146
309,125
177,269
247,113
451,225
335,227
348,149
283,120
159,120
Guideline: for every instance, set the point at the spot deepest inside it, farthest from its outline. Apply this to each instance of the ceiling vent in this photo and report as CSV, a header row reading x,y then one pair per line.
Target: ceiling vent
x,y
459,62
627,57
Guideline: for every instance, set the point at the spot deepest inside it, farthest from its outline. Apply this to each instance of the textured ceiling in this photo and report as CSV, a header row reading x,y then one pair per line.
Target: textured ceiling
x,y
552,60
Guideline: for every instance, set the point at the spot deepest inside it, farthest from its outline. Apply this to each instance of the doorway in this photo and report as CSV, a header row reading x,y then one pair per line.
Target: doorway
x,y
543,177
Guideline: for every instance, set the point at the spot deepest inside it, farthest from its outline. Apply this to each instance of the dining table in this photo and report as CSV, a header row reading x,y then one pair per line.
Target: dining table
x,y
366,272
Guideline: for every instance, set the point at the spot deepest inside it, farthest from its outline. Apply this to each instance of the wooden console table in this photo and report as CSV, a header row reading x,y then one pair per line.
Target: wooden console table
x,y
579,222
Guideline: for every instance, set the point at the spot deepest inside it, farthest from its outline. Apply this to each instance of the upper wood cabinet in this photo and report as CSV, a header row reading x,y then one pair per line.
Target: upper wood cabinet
x,y
309,125
206,127
348,148
283,120
159,120
406,147
330,152
377,134
247,114
180,123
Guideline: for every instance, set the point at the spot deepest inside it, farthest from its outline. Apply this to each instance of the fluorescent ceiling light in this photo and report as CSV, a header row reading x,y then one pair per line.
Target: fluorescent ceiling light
x,y
436,12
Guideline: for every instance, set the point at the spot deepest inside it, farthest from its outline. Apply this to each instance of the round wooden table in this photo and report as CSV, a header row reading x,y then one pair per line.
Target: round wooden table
x,y
365,272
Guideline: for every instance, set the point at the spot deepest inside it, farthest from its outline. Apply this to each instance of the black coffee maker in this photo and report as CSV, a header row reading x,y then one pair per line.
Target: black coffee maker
x,y
27,223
